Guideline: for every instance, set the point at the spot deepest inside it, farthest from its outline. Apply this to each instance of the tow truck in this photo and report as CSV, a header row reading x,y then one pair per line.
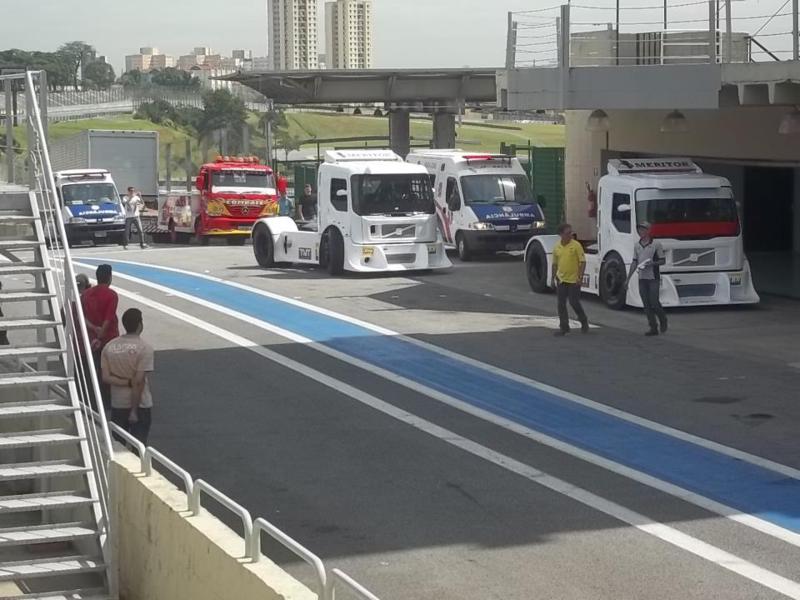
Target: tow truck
x,y
375,213
694,216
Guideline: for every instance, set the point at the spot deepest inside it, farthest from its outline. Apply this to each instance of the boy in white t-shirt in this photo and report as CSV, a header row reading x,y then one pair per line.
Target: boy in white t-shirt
x,y
126,364
133,205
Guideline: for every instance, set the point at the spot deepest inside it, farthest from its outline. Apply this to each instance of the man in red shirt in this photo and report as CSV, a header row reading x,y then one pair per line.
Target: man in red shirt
x,y
100,311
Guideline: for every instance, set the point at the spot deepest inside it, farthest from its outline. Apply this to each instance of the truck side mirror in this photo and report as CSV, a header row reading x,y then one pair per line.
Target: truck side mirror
x,y
341,193
200,182
623,208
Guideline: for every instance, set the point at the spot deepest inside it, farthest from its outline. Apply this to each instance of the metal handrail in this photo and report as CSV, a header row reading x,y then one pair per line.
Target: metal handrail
x,y
140,447
236,508
343,579
294,546
151,454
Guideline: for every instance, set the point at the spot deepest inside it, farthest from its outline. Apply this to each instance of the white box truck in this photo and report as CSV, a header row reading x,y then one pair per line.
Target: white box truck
x,y
375,213
693,215
131,157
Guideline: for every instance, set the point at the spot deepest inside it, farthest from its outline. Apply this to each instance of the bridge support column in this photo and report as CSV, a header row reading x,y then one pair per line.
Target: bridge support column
x,y
400,132
444,130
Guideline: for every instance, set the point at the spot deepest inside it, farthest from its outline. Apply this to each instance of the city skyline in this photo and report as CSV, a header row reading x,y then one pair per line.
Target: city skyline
x,y
407,33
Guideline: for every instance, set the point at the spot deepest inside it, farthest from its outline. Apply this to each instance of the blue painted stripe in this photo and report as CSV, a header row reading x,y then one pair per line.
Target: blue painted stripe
x,y
743,486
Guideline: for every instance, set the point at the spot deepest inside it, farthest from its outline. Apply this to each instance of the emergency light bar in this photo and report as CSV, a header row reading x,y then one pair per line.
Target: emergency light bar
x,y
89,175
631,166
238,159
340,156
487,157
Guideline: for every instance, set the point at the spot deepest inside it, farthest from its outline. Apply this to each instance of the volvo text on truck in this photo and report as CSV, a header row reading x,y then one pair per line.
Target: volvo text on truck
x,y
376,213
484,202
694,216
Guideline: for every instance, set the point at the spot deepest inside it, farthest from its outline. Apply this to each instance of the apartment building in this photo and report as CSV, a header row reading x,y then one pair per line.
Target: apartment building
x,y
148,59
293,34
348,34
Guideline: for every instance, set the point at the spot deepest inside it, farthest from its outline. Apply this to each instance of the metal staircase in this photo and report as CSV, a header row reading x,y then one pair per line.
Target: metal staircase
x,y
54,519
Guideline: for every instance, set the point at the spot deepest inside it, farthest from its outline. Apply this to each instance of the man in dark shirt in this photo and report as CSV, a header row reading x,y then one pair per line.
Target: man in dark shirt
x,y
308,204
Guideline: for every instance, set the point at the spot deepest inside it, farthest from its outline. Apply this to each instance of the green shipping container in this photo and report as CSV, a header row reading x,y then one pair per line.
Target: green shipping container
x,y
303,174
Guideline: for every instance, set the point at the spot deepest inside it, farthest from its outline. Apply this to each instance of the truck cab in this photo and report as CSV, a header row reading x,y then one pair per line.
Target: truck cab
x,y
693,214
233,193
484,202
375,213
90,206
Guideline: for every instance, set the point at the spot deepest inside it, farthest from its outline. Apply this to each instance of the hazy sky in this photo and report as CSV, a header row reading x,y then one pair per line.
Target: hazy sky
x,y
408,33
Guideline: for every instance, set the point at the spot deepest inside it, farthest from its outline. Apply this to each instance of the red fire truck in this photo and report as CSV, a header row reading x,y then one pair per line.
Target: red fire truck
x,y
231,194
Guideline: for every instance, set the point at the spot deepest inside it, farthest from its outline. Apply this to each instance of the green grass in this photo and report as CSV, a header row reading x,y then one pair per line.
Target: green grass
x,y
308,125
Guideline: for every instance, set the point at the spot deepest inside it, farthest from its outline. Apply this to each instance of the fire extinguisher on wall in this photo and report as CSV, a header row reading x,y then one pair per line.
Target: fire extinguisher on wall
x,y
591,198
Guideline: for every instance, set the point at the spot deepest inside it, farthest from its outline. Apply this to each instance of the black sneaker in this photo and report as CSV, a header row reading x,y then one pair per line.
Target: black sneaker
x,y
664,327
652,332
561,332
585,328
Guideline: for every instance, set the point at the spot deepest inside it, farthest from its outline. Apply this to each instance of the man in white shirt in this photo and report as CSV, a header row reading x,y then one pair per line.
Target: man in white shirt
x,y
126,365
133,205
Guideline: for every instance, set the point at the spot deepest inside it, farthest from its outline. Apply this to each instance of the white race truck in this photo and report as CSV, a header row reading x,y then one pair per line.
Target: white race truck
x,y
375,213
484,201
693,215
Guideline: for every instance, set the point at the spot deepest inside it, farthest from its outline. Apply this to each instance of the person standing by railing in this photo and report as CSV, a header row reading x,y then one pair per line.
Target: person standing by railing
x,y
126,364
100,311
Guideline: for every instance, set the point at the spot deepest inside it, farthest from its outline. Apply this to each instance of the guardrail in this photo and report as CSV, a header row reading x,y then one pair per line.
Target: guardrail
x,y
327,582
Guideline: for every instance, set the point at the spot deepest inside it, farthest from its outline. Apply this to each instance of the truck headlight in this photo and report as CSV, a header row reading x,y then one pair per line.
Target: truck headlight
x,y
481,226
119,219
76,220
539,224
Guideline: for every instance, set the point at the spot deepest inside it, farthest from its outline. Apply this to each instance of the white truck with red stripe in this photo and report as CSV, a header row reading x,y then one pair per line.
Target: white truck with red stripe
x,y
693,215
375,213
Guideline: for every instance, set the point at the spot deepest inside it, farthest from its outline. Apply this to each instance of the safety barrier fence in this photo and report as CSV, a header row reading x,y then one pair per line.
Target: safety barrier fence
x,y
622,32
327,581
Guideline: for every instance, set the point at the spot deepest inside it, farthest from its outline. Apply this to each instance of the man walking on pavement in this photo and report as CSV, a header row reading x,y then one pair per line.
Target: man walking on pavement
x,y
133,205
127,362
100,312
648,256
569,264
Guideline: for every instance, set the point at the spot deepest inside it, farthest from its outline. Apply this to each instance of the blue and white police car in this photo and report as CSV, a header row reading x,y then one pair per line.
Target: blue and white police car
x,y
90,205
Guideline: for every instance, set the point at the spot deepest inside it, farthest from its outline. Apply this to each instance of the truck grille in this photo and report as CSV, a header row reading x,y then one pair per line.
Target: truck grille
x,y
244,211
694,257
401,259
398,232
697,290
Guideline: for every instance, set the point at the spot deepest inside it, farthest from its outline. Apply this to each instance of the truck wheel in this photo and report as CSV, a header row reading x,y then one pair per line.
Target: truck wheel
x,y
332,248
263,246
203,240
612,282
464,251
536,267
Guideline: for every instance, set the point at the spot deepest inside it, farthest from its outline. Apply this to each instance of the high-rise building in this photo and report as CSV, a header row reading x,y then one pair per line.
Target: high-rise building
x,y
293,34
348,34
147,60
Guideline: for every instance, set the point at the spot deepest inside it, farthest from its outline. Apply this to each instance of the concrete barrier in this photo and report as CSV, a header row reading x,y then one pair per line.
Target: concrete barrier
x,y
163,553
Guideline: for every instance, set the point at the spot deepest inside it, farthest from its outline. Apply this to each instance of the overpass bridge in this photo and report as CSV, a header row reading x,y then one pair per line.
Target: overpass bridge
x,y
441,92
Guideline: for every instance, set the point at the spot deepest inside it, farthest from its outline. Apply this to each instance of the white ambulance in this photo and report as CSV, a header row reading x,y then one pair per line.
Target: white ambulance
x,y
692,214
375,213
484,202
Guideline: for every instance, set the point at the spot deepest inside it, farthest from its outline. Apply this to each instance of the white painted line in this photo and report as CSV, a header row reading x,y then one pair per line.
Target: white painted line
x,y
719,508
598,406
672,536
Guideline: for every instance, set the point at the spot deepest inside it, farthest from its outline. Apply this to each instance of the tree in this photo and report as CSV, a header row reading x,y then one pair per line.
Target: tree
x,y
75,56
131,79
223,112
172,77
288,142
98,75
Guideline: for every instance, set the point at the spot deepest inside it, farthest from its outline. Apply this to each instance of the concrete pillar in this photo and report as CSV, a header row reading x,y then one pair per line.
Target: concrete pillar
x,y
444,130
400,132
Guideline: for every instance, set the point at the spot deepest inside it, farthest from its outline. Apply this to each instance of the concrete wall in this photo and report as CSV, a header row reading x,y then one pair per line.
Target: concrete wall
x,y
746,135
165,556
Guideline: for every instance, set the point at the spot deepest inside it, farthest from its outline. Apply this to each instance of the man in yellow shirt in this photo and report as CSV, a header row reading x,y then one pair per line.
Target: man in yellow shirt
x,y
569,264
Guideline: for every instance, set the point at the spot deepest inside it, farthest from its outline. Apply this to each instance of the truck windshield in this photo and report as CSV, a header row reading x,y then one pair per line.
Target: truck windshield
x,y
496,189
88,193
689,217
242,179
392,195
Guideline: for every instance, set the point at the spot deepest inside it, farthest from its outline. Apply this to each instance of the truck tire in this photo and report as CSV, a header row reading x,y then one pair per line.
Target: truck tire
x,y
612,281
263,246
462,245
203,240
332,249
536,268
